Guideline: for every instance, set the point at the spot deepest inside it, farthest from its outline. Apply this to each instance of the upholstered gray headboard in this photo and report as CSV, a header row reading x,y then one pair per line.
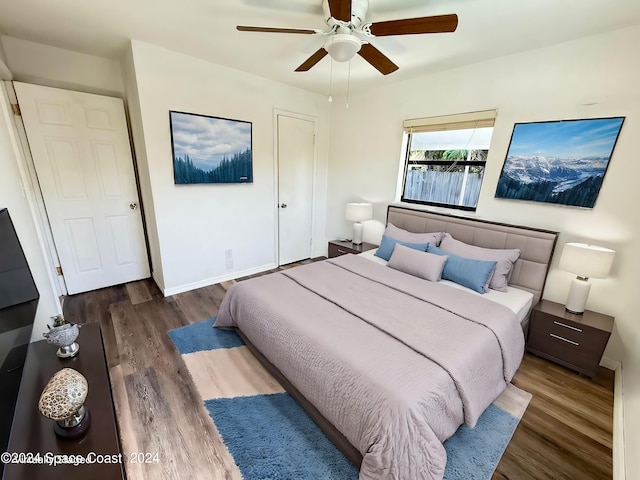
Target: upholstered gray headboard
x,y
536,245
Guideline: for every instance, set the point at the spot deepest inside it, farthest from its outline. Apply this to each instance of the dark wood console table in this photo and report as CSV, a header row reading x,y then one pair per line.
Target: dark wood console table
x,y
32,434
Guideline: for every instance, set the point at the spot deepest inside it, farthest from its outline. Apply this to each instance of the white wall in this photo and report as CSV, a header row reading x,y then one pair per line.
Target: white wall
x,y
194,224
3,57
17,194
591,77
5,73
631,389
41,64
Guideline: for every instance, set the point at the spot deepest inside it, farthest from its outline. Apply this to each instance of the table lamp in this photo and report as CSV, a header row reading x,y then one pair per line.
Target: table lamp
x,y
586,261
358,212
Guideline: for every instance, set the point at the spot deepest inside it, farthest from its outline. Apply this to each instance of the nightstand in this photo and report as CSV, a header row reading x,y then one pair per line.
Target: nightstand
x,y
338,247
574,341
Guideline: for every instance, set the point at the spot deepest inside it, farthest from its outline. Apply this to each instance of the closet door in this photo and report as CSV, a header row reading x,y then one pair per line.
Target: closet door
x,y
296,156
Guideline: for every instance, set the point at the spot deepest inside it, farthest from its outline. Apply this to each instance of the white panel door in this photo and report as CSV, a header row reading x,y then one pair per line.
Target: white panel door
x,y
296,153
82,156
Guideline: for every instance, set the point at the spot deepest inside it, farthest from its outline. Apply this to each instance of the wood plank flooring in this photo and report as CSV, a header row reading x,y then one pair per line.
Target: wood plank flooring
x,y
566,433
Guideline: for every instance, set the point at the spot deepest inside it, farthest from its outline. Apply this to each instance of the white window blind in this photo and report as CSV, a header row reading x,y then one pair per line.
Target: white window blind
x,y
461,121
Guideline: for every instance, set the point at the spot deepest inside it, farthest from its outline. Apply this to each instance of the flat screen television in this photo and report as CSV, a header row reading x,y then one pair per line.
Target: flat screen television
x,y
18,304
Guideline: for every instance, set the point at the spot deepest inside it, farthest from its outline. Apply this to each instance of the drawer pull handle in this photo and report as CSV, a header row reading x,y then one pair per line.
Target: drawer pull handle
x,y
341,251
564,339
568,326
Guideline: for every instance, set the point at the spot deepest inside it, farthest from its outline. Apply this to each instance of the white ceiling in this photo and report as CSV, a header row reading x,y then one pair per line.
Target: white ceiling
x,y
206,29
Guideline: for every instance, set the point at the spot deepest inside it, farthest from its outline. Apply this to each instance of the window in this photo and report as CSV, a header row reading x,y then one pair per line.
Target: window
x,y
445,159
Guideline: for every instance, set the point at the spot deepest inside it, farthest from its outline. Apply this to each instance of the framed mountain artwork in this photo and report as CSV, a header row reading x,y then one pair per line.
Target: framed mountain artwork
x,y
210,149
561,162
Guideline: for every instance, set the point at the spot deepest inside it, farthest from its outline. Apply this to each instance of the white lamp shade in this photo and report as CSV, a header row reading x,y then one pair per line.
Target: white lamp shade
x,y
588,261
359,212
342,46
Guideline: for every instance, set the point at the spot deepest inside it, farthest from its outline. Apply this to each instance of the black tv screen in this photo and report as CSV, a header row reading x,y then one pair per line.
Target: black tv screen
x,y
18,304
16,283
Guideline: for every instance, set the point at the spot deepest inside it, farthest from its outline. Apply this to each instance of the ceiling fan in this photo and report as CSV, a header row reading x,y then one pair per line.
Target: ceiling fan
x,y
347,34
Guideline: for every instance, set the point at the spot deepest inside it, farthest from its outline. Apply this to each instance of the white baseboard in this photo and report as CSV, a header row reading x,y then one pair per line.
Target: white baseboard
x,y
609,363
618,427
618,419
212,281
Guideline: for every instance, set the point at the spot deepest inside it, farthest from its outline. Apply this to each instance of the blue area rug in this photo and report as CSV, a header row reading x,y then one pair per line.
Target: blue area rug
x,y
202,336
270,436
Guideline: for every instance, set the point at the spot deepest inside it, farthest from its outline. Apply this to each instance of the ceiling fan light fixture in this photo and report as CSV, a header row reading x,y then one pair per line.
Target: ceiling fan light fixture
x,y
342,46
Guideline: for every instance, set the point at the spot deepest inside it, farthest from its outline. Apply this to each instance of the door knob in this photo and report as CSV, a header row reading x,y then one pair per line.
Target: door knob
x,y
283,205
133,205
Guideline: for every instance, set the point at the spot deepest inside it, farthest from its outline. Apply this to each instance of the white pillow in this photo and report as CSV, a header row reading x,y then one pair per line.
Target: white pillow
x,y
417,263
403,235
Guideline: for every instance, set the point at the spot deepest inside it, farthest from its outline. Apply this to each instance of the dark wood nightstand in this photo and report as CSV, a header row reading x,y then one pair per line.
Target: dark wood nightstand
x,y
574,341
338,247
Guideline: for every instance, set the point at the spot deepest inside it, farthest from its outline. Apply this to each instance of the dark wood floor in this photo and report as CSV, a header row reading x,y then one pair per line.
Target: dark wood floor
x,y
566,432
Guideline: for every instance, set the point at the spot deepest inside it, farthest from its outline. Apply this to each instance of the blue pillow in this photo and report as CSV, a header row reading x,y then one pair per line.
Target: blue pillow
x,y
473,274
386,247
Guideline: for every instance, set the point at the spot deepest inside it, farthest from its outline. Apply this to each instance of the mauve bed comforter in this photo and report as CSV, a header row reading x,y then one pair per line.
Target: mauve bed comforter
x,y
395,362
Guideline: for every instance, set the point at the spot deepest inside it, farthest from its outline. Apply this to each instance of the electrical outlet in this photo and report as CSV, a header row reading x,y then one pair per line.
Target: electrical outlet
x,y
228,256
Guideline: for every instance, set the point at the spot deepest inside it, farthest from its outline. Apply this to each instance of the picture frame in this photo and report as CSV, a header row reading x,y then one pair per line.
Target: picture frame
x,y
207,149
561,162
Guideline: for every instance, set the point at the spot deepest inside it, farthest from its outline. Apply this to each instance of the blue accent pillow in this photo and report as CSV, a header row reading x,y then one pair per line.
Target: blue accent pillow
x,y
388,243
473,274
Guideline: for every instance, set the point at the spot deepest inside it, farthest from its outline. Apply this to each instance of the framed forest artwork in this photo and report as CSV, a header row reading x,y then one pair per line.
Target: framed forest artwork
x,y
561,162
210,149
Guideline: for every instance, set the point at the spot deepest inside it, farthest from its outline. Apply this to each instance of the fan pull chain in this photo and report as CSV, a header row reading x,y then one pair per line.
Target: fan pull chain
x,y
348,84
330,80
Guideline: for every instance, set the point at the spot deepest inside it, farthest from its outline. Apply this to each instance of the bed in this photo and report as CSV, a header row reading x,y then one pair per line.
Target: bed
x,y
390,364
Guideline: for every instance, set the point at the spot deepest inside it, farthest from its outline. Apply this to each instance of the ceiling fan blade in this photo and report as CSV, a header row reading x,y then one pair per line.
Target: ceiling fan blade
x,y
312,60
340,9
377,59
411,26
245,28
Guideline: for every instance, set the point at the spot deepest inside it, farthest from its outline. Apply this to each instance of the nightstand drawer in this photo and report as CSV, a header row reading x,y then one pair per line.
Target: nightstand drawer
x,y
340,247
569,342
550,325
337,250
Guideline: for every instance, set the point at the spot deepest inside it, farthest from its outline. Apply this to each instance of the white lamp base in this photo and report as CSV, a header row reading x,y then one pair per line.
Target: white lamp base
x,y
578,295
357,233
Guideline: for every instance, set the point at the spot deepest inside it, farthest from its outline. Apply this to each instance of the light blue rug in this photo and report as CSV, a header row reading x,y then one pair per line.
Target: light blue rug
x,y
271,437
